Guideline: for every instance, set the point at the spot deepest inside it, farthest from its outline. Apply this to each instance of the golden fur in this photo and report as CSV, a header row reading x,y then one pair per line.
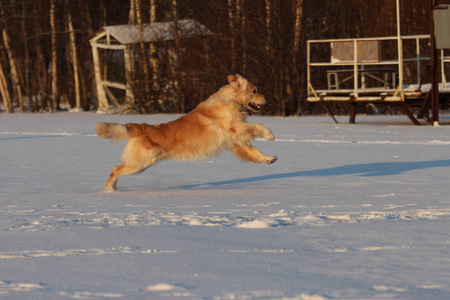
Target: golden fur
x,y
215,125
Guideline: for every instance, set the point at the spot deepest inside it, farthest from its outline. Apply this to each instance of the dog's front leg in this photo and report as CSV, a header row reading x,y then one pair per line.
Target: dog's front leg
x,y
259,130
250,153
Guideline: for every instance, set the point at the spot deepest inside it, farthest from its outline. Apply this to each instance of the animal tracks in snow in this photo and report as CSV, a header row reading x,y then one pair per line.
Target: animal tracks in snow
x,y
89,295
58,219
12,288
78,252
8,286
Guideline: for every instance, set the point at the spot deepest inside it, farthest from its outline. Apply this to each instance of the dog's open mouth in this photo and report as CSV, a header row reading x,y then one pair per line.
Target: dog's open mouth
x,y
253,106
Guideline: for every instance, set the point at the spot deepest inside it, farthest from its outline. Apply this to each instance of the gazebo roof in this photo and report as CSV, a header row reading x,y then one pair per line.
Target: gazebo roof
x,y
157,31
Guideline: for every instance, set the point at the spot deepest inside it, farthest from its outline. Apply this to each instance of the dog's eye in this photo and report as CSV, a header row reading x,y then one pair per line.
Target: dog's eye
x,y
254,92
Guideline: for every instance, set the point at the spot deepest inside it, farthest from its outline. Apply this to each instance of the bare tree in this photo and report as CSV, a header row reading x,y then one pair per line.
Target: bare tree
x,y
4,86
15,76
14,71
268,26
144,63
54,72
25,78
4,91
264,39
232,18
153,50
74,58
178,79
296,51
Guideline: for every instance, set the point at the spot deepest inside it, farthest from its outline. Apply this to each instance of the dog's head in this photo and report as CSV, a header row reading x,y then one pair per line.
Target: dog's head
x,y
246,93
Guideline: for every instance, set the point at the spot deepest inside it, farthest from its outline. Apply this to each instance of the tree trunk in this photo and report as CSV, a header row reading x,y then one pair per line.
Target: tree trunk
x,y
297,27
41,75
74,59
231,16
85,70
154,53
4,91
26,72
130,96
144,59
54,72
129,62
296,82
14,71
268,27
178,79
132,14
12,61
243,37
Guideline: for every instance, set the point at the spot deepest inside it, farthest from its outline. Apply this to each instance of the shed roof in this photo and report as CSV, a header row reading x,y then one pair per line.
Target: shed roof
x,y
157,31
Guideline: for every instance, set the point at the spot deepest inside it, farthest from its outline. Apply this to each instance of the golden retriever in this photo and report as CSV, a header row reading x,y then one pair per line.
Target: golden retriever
x,y
215,125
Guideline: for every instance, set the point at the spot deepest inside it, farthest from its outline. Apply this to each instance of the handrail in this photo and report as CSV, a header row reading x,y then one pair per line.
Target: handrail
x,y
387,38
356,64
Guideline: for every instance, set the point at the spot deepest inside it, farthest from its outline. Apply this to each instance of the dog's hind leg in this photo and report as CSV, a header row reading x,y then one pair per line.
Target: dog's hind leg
x,y
135,159
250,153
116,173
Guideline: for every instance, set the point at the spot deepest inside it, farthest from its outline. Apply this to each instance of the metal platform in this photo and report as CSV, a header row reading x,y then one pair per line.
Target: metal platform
x,y
359,71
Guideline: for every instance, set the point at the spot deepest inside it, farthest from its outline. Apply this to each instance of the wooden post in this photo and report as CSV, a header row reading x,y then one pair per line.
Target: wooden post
x,y
308,64
418,60
101,95
444,80
355,68
434,72
400,51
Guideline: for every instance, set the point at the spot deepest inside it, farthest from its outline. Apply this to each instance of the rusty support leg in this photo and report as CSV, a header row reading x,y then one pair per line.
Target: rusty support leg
x,y
328,111
353,107
423,112
405,109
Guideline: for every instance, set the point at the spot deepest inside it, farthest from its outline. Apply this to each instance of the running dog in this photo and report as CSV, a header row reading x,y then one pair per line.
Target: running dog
x,y
215,125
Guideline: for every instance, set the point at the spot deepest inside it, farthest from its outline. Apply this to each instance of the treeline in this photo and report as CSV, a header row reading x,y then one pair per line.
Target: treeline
x,y
46,60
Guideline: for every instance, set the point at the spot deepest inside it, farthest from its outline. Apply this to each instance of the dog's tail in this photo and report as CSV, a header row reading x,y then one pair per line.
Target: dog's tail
x,y
112,131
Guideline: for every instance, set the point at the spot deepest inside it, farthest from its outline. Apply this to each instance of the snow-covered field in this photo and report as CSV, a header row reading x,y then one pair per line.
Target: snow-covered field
x,y
348,212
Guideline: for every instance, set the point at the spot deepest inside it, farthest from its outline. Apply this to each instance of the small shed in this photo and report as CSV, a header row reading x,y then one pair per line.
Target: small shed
x,y
120,37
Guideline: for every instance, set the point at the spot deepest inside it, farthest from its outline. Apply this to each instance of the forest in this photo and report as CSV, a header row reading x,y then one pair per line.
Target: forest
x,y
46,60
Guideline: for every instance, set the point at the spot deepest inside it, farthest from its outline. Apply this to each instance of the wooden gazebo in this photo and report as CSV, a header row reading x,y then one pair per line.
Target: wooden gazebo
x,y
120,37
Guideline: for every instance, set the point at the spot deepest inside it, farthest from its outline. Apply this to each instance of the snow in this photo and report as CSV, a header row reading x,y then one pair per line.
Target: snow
x,y
426,87
347,212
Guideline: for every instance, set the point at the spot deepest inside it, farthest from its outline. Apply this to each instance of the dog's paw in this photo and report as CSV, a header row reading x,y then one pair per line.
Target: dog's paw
x,y
271,160
109,189
269,136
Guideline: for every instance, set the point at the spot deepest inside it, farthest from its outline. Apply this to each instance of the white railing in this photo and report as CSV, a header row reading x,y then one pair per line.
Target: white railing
x,y
357,65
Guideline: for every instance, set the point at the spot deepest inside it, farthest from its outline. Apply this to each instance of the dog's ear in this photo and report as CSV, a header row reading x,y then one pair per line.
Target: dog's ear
x,y
236,80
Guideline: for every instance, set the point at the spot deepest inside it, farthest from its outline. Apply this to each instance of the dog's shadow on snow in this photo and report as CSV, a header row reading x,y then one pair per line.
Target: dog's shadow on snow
x,y
371,169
